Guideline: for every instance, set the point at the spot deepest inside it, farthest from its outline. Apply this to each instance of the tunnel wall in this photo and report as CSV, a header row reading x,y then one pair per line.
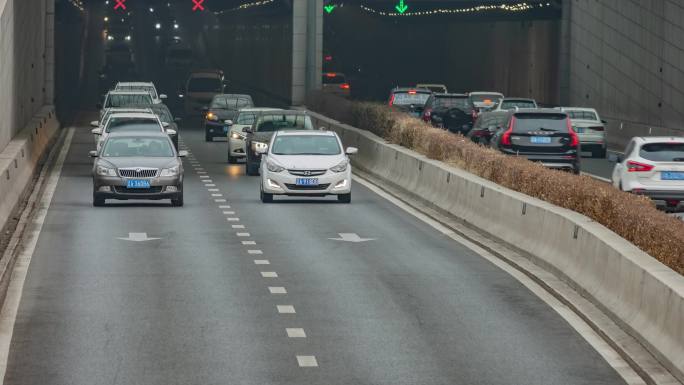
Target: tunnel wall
x,y
518,58
23,59
626,59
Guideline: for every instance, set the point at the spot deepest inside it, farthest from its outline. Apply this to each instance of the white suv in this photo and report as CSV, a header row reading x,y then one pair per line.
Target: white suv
x,y
654,167
305,163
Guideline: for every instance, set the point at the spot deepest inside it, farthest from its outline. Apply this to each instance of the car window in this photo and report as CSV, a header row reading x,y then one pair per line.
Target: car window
x,y
525,122
246,118
231,102
511,104
138,147
581,115
270,123
405,98
149,89
204,85
118,100
451,102
333,78
164,114
131,124
306,145
663,152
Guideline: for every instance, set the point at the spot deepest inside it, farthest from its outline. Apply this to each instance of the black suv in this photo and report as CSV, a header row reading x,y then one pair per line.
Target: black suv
x,y
222,109
540,135
265,124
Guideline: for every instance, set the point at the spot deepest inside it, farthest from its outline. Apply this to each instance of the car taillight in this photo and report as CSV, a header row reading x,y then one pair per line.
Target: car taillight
x,y
597,128
473,113
391,102
574,139
633,166
344,86
426,114
506,137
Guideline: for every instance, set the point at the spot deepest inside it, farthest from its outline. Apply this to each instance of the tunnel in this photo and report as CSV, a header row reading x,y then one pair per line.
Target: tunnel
x,y
204,250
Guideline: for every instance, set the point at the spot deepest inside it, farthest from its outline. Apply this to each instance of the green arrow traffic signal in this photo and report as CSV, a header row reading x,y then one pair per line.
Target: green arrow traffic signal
x,y
329,8
401,7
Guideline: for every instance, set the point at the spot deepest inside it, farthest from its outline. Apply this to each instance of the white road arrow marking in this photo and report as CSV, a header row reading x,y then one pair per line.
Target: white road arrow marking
x,y
351,237
137,237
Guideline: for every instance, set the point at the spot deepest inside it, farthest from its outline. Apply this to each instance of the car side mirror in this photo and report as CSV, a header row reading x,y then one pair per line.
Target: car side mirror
x,y
182,154
94,123
177,120
604,121
165,124
170,131
352,151
247,130
92,154
262,149
163,96
96,131
228,122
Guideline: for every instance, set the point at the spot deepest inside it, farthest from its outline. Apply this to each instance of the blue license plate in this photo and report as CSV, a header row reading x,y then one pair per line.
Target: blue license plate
x,y
138,183
540,139
672,175
307,182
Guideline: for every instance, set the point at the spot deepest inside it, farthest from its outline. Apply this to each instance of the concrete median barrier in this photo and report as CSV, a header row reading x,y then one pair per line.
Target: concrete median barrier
x,y
20,158
645,297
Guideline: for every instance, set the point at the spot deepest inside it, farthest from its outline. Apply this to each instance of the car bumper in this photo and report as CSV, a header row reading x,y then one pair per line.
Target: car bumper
x,y
283,183
215,128
662,198
115,188
236,147
564,161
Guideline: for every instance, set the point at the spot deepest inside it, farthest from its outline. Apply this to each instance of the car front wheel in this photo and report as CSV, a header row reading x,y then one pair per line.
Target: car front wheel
x,y
251,169
266,197
178,200
97,201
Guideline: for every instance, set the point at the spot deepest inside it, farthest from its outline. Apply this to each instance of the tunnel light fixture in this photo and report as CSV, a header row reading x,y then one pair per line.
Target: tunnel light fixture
x,y
151,10
503,7
176,26
106,19
157,26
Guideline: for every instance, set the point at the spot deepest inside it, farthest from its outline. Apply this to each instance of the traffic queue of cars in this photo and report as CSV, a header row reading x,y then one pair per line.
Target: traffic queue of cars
x,y
555,137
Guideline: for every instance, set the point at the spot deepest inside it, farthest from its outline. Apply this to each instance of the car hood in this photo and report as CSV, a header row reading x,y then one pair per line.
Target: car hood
x,y
144,162
307,162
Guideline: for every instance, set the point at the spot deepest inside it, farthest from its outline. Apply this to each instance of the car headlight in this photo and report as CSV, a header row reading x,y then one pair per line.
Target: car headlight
x,y
273,167
110,37
258,145
128,38
172,171
105,171
236,135
341,167
212,116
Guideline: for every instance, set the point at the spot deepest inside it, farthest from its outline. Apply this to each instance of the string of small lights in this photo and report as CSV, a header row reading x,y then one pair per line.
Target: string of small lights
x,y
244,6
78,4
518,7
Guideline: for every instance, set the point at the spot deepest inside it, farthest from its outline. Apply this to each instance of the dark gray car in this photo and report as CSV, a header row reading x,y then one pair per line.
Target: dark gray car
x,y
137,166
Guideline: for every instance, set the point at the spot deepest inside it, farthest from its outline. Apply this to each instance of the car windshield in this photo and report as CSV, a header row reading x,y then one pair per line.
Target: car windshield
x,y
405,98
333,78
485,98
246,118
663,152
306,145
270,123
511,104
132,124
434,88
540,122
204,85
149,89
581,115
126,100
451,102
231,102
138,147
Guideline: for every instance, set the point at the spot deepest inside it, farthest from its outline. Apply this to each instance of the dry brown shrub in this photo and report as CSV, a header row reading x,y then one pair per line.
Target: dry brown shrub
x,y
634,218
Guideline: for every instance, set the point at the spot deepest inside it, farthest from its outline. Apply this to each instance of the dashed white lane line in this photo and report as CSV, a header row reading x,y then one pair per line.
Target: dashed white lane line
x,y
219,200
210,185
207,180
204,176
261,262
285,309
243,234
217,195
233,219
307,361
269,274
213,189
229,213
238,226
224,207
277,290
201,172
248,243
295,332
255,252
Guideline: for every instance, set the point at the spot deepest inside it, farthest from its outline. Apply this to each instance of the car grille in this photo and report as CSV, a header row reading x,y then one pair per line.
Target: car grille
x,y
307,188
307,172
138,172
126,190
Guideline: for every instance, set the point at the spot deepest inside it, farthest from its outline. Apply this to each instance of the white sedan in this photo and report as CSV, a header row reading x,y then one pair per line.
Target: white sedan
x,y
306,163
654,167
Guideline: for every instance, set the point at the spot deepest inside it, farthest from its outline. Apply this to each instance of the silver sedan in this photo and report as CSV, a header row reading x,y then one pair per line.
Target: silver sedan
x,y
138,166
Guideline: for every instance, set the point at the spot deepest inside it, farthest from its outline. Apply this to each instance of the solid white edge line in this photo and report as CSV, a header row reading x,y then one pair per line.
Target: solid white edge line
x,y
8,315
609,354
